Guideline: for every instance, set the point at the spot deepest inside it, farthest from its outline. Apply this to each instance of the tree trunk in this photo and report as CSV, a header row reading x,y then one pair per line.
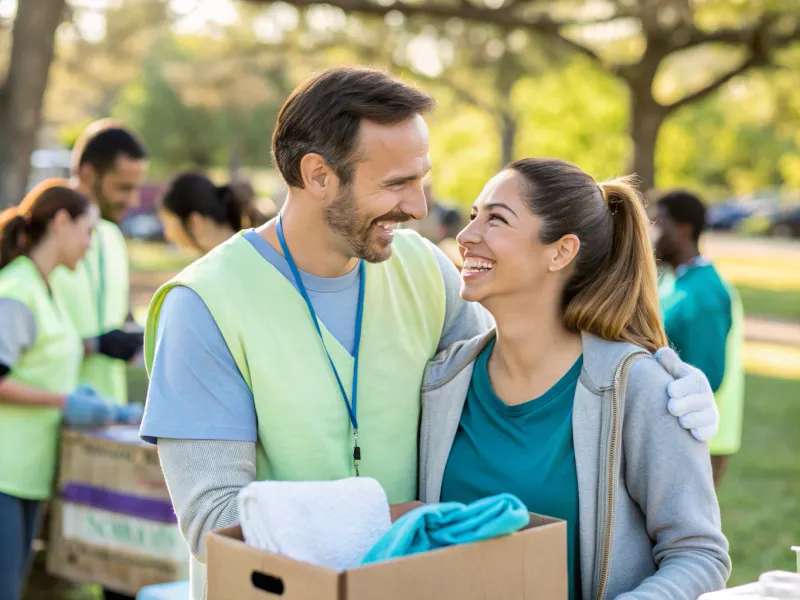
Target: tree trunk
x,y
508,135
646,117
22,93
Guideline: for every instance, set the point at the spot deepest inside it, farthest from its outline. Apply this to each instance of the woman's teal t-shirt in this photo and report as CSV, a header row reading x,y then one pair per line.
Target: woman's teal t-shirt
x,y
525,450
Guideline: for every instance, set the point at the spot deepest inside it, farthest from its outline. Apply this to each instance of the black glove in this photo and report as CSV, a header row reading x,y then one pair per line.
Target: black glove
x,y
120,344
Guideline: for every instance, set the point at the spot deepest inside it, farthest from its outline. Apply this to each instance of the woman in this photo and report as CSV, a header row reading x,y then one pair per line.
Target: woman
x,y
40,356
199,215
564,404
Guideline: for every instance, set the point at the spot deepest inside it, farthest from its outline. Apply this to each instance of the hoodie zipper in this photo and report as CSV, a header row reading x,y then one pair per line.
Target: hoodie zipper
x,y
618,390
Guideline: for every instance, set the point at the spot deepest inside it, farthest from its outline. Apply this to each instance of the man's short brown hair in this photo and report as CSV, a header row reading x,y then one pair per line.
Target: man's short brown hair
x,y
323,115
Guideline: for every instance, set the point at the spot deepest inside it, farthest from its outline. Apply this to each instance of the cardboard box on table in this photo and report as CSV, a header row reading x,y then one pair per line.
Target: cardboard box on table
x,y
112,520
528,565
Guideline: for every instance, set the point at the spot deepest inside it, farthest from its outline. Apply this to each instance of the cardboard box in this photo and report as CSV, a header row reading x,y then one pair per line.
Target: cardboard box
x,y
528,565
112,520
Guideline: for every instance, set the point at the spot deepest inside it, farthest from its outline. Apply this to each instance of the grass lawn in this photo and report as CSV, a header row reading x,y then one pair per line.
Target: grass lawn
x,y
760,496
152,256
761,302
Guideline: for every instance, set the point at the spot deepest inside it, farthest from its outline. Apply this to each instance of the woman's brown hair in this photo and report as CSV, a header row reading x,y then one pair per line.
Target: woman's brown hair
x,y
230,204
23,227
613,291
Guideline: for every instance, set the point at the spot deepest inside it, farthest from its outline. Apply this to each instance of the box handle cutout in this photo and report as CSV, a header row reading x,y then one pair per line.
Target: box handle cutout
x,y
267,583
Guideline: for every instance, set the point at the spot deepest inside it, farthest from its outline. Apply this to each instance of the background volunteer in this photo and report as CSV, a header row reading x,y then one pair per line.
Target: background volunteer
x,y
108,165
703,317
199,215
40,356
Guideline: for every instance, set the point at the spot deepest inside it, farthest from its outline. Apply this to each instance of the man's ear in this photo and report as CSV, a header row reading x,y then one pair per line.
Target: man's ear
x,y
87,175
318,177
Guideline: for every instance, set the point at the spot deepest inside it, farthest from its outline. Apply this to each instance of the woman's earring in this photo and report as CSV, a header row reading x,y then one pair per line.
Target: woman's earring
x,y
552,269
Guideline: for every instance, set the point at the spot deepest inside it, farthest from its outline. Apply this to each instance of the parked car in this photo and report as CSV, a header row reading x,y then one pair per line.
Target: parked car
x,y
142,222
778,221
727,216
786,223
143,226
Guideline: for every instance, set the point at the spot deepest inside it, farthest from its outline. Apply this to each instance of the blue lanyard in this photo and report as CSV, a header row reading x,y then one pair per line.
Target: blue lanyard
x,y
351,407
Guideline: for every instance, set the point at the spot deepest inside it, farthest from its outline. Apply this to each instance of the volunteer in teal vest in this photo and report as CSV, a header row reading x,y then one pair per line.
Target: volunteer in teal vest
x,y
40,356
296,351
703,317
109,164
199,215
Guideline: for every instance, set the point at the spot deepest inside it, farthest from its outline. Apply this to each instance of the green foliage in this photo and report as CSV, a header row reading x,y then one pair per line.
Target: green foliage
x,y
577,114
183,133
464,157
210,99
742,140
177,135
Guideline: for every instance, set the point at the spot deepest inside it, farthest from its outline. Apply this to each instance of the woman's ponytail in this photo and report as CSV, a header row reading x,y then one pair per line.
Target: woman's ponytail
x,y
240,211
23,227
622,301
612,292
12,236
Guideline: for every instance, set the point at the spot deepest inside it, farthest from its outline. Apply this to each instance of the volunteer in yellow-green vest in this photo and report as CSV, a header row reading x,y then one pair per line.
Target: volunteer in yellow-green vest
x,y
296,351
40,356
108,165
703,317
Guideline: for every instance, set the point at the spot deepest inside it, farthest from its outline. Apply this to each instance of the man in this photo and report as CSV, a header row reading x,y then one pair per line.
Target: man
x,y
252,349
108,165
703,317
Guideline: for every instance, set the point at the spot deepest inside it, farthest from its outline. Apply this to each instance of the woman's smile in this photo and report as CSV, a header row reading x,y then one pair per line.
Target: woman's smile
x,y
476,267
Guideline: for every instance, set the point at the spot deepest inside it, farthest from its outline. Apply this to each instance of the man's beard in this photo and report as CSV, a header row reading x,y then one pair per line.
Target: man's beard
x,y
108,210
343,218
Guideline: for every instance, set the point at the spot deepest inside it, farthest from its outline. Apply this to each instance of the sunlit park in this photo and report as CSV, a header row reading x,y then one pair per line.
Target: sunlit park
x,y
698,95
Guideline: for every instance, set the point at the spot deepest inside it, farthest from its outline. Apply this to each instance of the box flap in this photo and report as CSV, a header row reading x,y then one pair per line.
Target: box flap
x,y
236,570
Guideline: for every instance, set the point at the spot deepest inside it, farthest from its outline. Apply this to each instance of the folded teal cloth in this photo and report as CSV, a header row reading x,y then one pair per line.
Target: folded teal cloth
x,y
438,525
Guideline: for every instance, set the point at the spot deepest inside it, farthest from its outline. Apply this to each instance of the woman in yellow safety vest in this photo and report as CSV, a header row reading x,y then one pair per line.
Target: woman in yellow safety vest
x,y
40,356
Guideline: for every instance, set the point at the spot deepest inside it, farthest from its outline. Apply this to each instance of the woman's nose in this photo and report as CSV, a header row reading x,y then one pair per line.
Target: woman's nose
x,y
469,235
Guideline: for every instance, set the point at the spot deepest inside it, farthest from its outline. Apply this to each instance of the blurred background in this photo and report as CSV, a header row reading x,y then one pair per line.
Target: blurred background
x,y
699,94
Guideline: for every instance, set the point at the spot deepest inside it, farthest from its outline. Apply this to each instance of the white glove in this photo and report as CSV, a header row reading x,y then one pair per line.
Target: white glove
x,y
691,399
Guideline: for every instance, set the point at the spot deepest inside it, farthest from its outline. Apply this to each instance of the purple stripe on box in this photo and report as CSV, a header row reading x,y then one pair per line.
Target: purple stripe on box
x,y
116,502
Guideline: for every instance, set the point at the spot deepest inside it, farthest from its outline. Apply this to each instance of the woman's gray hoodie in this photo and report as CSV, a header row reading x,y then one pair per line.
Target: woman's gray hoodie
x,y
649,518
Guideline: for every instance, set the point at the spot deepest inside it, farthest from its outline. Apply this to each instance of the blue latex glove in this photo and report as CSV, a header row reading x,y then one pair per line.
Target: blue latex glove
x,y
691,399
85,408
129,413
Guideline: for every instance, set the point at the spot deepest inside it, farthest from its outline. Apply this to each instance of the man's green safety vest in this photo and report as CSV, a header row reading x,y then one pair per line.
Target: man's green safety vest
x,y
304,432
96,297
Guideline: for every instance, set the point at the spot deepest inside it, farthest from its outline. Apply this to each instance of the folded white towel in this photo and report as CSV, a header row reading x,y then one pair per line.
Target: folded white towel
x,y
331,524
